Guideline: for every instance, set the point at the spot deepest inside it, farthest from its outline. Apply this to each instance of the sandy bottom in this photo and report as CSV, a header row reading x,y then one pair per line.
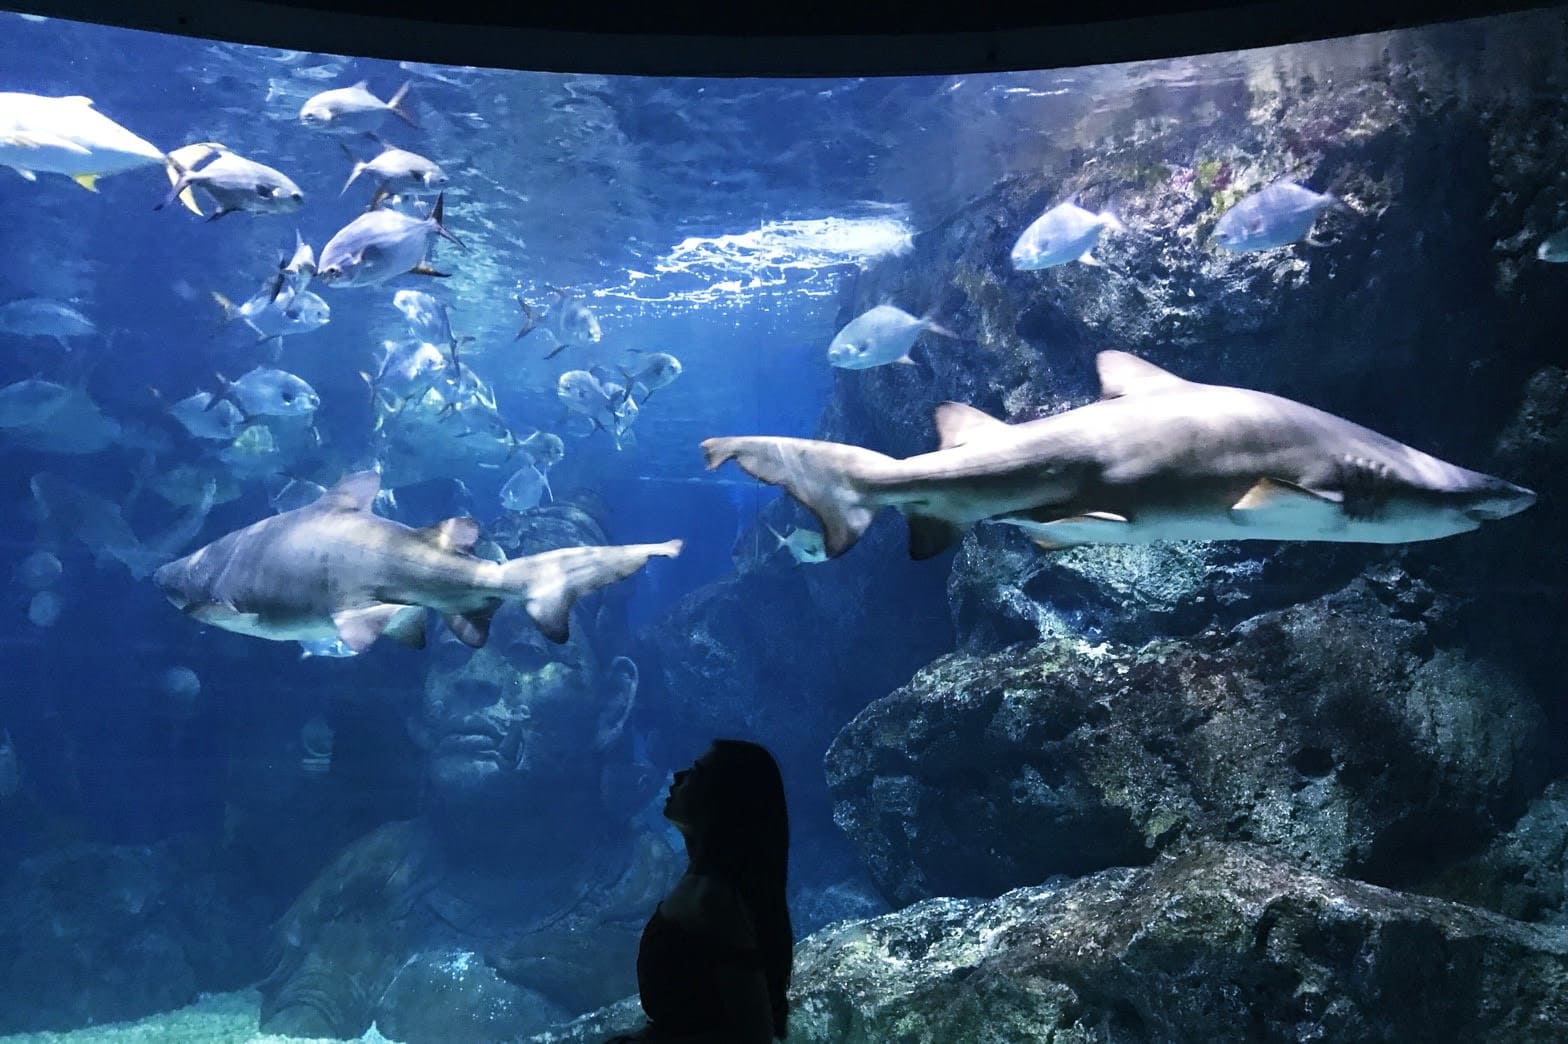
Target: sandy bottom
x,y
218,1018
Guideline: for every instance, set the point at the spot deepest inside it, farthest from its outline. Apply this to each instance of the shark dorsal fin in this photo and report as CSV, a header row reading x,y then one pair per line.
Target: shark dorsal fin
x,y
453,534
957,423
1122,374
353,492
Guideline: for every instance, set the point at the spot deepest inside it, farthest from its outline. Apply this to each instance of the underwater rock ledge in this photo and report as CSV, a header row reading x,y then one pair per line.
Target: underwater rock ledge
x,y
1344,731
1216,942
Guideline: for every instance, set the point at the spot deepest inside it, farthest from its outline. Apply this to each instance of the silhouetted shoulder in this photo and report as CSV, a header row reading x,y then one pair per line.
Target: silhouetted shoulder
x,y
711,906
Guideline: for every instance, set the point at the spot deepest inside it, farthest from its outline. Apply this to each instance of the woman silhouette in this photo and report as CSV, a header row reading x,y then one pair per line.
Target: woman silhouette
x,y
714,963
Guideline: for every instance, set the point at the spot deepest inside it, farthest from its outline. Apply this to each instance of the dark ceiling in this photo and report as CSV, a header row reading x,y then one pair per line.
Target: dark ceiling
x,y
788,38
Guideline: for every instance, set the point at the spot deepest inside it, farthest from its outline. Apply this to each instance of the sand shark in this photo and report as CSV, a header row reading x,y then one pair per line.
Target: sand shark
x,y
333,570
1157,458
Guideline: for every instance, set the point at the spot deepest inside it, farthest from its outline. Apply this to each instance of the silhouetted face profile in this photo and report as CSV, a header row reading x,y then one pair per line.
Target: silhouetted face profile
x,y
688,802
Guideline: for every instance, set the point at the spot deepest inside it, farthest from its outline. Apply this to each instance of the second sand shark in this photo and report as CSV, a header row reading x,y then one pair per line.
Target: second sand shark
x,y
334,570
1157,458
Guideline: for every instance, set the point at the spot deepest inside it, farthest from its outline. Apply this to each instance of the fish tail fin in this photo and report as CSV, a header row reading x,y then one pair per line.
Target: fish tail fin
x,y
530,320
359,168
400,107
777,536
932,326
827,477
179,177
1340,205
437,215
550,583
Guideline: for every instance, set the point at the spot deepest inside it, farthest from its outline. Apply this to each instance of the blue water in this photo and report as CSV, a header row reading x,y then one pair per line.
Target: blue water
x,y
725,222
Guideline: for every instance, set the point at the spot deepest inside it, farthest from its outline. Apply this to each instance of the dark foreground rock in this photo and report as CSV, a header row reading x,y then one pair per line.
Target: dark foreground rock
x,y
1345,731
1220,942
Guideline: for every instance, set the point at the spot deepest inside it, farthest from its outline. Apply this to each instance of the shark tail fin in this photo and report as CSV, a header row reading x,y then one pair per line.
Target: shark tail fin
x,y
824,476
549,584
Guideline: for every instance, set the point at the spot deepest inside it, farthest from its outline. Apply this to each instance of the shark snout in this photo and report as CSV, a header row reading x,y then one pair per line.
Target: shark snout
x,y
1499,500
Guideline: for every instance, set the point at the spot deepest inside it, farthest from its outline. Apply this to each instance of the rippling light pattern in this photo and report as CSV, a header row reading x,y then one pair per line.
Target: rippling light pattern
x,y
709,269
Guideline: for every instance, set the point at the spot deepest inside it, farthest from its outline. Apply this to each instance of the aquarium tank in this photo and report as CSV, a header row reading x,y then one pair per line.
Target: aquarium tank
x,y
1125,501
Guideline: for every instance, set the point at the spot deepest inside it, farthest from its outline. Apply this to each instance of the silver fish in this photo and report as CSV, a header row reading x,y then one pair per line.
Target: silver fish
x,y
1157,458
41,317
397,172
1554,248
569,321
382,245
232,181
44,609
29,403
208,420
294,275
331,648
78,425
882,335
525,489
1066,232
100,525
804,545
272,314
39,571
543,449
335,570
354,109
1276,216
428,320
656,370
67,136
265,390
608,406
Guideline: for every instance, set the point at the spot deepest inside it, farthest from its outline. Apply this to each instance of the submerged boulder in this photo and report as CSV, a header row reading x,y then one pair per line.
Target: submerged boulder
x,y
1222,942
1215,942
1341,731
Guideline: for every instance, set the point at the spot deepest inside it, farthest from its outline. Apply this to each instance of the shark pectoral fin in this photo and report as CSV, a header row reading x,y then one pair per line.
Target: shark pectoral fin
x,y
453,534
359,628
930,536
354,492
472,629
408,627
957,424
1274,502
1089,527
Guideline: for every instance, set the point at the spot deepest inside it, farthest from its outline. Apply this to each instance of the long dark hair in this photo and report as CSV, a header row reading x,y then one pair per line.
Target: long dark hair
x,y
749,844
